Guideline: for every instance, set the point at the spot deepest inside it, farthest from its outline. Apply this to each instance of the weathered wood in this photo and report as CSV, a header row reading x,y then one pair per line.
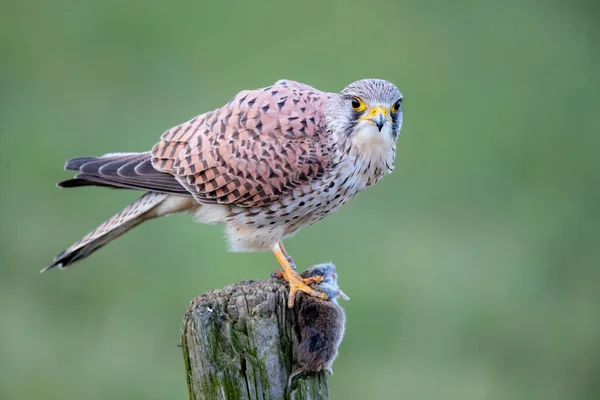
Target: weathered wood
x,y
240,343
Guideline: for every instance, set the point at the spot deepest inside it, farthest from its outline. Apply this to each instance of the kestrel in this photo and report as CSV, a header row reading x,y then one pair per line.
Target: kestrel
x,y
266,164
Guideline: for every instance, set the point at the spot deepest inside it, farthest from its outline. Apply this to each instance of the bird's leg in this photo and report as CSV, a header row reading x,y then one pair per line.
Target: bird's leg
x,y
296,282
289,258
310,280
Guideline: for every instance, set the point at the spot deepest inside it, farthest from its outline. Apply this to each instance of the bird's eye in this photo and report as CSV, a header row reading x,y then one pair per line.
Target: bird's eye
x,y
396,106
357,104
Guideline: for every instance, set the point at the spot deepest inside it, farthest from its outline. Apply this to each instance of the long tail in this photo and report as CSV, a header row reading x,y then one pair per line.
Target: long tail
x,y
149,206
292,375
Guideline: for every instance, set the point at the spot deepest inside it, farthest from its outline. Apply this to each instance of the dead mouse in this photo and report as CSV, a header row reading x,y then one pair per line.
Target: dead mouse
x,y
321,323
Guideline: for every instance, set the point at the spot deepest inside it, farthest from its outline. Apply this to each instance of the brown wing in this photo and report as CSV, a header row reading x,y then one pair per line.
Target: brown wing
x,y
253,150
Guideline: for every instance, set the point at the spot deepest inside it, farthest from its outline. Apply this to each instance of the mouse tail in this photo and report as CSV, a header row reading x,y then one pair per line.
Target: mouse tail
x,y
292,375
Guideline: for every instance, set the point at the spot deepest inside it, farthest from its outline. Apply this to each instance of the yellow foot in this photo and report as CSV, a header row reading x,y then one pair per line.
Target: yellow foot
x,y
313,279
300,284
296,282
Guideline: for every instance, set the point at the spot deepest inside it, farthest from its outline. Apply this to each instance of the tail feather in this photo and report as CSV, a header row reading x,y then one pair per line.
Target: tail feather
x,y
121,170
74,163
79,182
144,208
117,183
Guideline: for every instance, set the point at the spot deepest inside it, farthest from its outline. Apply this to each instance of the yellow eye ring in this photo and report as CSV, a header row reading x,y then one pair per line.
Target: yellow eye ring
x,y
357,104
396,106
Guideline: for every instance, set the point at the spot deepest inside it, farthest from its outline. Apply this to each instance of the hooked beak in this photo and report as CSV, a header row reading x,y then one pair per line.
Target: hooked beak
x,y
377,116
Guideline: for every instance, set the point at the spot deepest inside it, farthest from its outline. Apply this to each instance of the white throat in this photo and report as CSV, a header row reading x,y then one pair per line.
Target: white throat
x,y
372,154
375,147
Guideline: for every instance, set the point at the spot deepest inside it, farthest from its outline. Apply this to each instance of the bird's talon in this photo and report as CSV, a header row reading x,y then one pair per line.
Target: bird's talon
x,y
313,279
298,284
295,281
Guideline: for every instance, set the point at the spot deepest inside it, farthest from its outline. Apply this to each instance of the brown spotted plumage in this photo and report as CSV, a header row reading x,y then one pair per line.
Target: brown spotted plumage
x,y
253,150
266,164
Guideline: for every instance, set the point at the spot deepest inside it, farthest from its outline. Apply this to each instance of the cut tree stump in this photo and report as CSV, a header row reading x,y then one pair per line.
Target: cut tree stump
x,y
240,342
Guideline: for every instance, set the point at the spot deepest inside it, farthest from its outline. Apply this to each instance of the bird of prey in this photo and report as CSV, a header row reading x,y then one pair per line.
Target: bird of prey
x,y
266,164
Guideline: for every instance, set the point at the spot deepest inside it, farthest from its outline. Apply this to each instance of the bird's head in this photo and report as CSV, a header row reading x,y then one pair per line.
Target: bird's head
x,y
368,110
329,284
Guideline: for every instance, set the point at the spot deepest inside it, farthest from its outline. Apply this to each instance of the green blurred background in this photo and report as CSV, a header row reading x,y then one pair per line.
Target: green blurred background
x,y
473,269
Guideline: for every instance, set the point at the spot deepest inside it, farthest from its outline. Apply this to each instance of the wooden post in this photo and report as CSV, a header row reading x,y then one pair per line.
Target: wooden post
x,y
240,343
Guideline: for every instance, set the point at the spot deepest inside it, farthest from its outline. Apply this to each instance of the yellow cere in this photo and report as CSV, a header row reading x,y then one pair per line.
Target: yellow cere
x,y
374,112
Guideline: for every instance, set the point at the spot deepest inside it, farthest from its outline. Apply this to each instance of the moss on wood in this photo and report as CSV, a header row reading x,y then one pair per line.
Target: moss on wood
x,y
240,343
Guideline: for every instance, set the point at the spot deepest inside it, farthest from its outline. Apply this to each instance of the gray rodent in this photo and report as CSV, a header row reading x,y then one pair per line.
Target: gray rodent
x,y
321,323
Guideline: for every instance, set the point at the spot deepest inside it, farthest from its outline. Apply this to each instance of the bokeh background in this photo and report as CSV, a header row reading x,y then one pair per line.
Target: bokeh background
x,y
473,268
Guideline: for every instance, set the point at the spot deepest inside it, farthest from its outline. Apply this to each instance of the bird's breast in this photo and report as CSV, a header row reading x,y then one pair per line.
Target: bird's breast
x,y
348,178
260,227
